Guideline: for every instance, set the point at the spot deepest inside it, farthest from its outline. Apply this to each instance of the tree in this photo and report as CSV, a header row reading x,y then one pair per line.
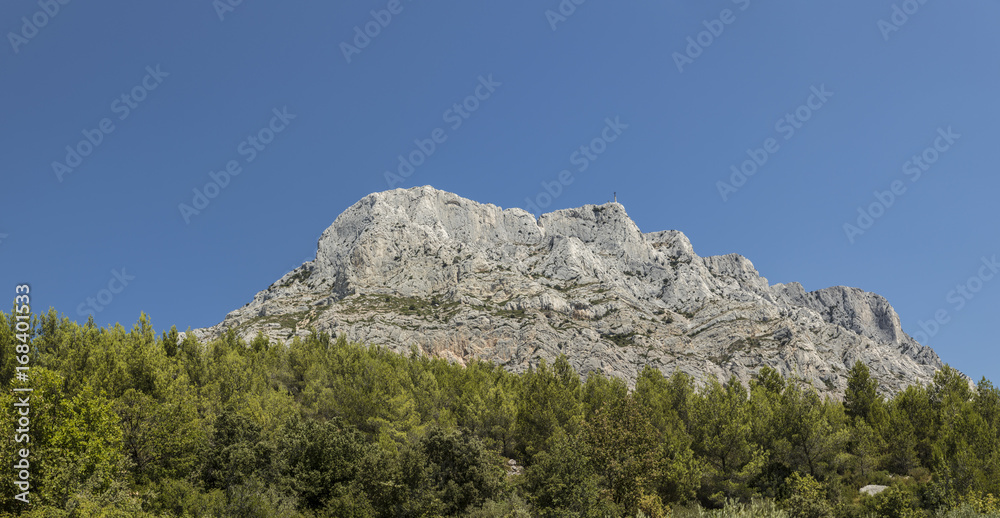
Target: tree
x,y
767,429
663,400
721,432
625,451
322,460
813,432
861,396
868,448
8,343
911,409
868,415
949,389
807,498
76,442
652,393
768,380
600,391
550,400
132,423
901,441
238,452
461,472
562,481
170,342
487,405
161,439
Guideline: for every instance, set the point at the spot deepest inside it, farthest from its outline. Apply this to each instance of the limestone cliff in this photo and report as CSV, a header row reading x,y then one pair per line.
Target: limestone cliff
x,y
461,280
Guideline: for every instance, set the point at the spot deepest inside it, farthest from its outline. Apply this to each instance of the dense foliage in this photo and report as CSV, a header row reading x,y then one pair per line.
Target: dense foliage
x,y
129,423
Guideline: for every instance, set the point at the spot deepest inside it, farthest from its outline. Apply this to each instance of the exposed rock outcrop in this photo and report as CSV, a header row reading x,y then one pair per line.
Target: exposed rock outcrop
x,y
463,280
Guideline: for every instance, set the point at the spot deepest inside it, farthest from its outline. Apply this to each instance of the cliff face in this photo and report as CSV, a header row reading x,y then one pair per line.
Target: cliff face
x,y
463,280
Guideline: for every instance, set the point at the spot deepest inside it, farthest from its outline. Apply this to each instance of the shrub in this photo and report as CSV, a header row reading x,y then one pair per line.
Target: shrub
x,y
891,503
806,498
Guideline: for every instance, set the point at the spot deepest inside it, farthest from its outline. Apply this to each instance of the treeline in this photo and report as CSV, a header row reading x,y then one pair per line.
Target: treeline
x,y
131,423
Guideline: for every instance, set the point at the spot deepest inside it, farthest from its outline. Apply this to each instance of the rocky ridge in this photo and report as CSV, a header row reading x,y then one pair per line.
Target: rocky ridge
x,y
461,280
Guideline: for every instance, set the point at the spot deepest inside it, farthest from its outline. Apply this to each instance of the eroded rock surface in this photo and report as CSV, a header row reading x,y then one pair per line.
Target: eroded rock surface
x,y
462,280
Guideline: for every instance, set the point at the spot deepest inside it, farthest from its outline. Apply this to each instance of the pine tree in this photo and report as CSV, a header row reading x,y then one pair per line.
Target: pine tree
x,y
861,396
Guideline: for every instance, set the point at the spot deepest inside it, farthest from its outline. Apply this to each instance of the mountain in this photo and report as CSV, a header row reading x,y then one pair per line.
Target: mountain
x,y
461,280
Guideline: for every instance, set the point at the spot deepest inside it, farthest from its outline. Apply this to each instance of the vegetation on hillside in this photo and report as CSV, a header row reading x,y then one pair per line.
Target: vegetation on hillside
x,y
131,423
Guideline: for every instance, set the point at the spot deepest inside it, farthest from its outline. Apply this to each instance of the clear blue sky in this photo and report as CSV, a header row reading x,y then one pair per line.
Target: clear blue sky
x,y
219,81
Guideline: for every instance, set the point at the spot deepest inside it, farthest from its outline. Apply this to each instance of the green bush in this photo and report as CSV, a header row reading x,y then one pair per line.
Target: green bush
x,y
894,502
806,498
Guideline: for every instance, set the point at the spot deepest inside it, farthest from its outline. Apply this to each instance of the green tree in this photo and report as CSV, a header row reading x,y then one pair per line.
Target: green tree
x,y
562,481
76,443
722,437
900,438
861,396
912,415
767,431
806,498
162,439
549,400
461,472
868,418
663,400
600,391
170,342
322,460
812,432
769,380
239,453
625,451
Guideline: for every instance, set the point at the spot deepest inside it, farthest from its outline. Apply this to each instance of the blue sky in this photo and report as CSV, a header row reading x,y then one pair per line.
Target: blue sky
x,y
832,100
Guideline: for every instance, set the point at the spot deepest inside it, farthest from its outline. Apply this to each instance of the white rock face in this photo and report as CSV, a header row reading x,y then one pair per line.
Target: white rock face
x,y
873,489
462,280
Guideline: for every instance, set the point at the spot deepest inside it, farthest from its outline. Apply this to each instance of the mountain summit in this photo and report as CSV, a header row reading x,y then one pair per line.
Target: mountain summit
x,y
461,280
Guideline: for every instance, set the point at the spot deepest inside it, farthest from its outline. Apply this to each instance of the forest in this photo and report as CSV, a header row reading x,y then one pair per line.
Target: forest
x,y
132,423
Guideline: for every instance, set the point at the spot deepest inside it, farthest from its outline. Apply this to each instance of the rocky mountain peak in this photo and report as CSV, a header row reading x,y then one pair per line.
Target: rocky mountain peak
x,y
464,280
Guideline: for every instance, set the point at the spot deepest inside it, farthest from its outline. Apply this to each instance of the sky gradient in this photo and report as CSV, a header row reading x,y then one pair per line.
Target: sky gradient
x,y
267,120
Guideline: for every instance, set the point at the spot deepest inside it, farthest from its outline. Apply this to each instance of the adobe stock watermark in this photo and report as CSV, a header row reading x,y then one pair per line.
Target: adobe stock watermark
x,y
454,117
581,158
562,12
958,298
914,168
120,280
32,25
20,322
900,15
713,29
787,127
249,148
224,7
364,34
122,106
